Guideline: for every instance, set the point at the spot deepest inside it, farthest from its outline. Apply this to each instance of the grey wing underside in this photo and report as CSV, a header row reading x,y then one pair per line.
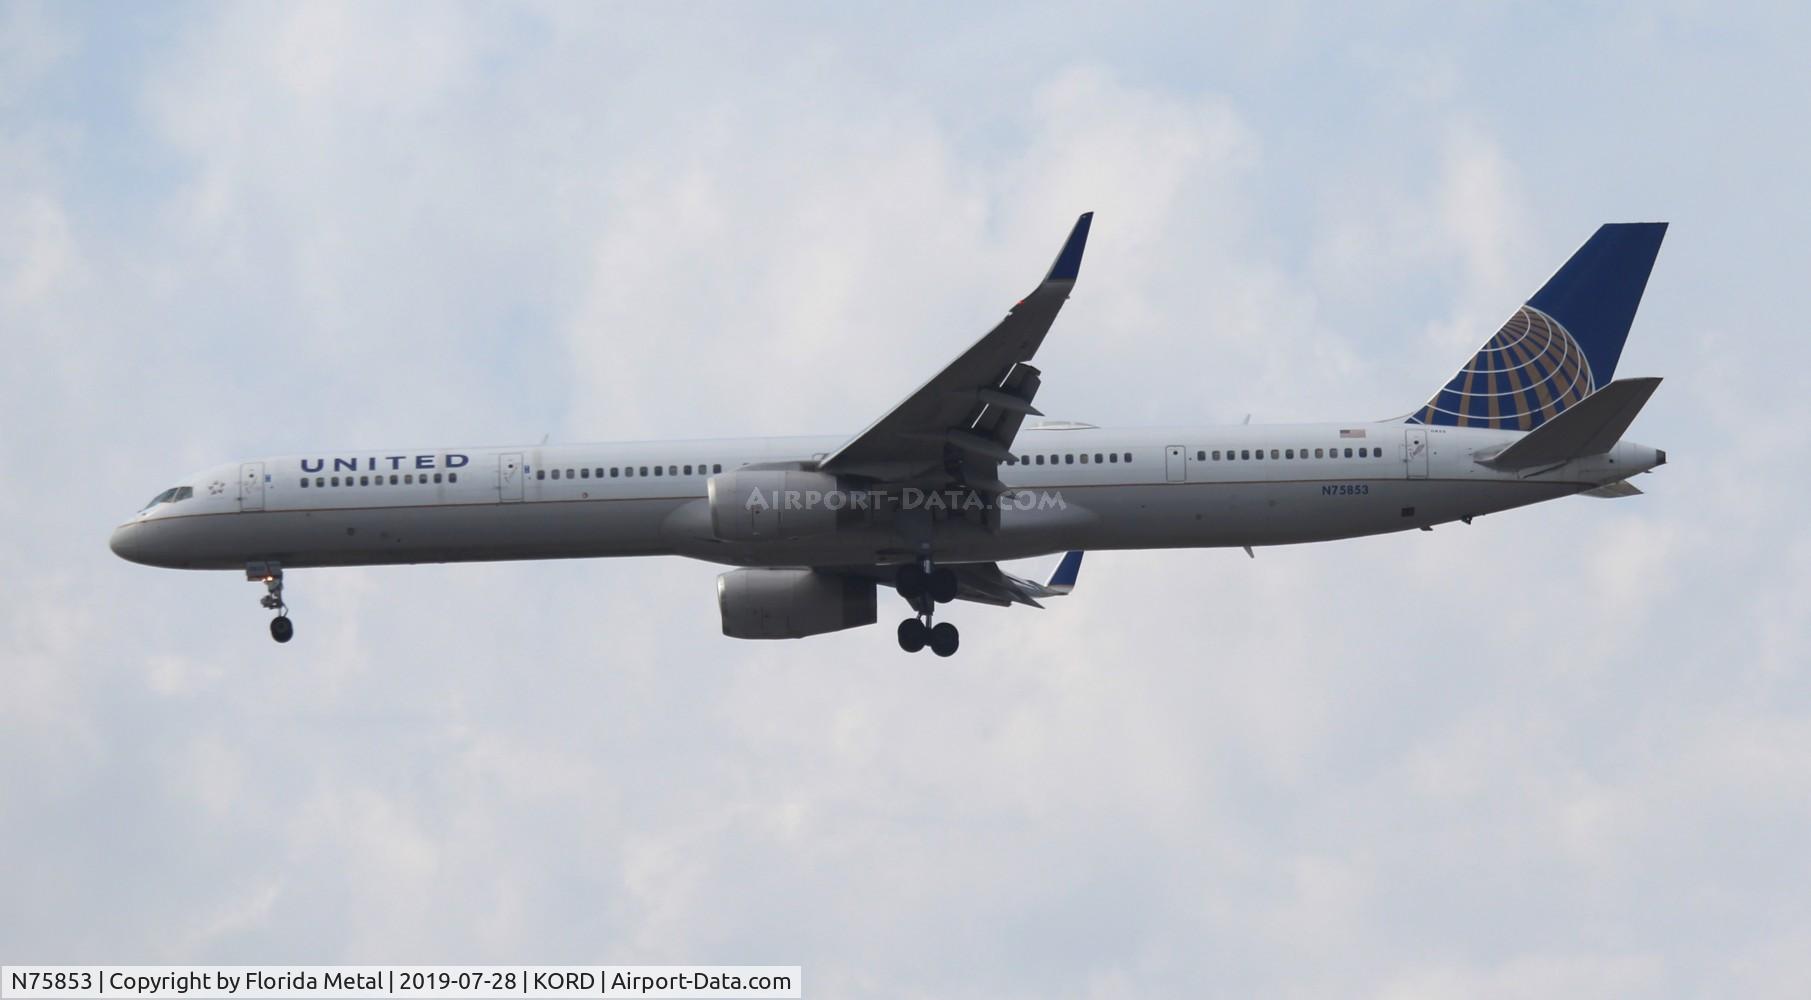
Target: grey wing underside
x,y
987,583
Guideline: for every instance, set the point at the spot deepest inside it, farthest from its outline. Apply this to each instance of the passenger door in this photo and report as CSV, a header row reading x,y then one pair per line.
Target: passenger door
x,y
509,477
1414,451
251,486
1175,463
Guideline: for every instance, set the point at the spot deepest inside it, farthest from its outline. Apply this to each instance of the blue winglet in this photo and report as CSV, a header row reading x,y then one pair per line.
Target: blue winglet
x,y
1063,580
1069,262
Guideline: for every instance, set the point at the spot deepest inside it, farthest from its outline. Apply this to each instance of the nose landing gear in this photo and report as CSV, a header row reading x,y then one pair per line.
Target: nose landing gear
x,y
271,575
925,587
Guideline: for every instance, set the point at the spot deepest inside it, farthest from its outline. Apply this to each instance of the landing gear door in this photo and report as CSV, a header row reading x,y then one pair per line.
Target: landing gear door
x,y
251,486
509,477
1175,463
1414,451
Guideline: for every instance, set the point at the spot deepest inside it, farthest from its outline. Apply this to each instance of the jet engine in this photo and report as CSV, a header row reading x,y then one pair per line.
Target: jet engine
x,y
792,603
762,505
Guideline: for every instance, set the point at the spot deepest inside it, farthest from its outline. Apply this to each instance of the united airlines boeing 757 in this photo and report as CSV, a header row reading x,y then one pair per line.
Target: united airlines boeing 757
x,y
932,495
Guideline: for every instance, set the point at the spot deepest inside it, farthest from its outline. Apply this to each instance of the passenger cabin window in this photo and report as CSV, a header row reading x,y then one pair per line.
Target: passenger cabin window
x,y
1068,459
1113,456
437,477
716,468
304,483
1128,456
1216,456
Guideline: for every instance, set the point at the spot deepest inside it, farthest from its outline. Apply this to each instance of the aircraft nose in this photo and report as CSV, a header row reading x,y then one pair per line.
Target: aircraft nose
x,y
128,542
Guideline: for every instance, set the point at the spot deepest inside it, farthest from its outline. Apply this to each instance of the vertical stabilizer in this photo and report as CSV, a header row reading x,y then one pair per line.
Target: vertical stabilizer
x,y
1560,346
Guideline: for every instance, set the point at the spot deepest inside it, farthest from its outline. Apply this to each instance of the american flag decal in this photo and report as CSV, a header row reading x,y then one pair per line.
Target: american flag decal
x,y
1351,434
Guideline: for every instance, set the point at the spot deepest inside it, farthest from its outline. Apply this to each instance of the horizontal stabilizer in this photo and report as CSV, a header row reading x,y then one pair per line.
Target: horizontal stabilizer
x,y
1590,427
1611,491
1063,580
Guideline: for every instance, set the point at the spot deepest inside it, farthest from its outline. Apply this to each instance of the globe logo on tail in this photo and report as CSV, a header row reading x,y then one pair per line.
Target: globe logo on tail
x,y
1530,371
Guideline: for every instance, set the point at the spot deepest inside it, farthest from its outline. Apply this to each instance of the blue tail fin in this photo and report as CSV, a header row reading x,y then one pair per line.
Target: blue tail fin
x,y
1562,345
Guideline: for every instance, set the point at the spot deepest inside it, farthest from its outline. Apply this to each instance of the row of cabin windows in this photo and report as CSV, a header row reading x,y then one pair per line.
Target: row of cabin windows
x,y
1247,455
1070,458
406,479
631,471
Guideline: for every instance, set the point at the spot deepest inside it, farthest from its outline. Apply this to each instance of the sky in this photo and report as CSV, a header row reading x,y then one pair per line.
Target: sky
x,y
1564,751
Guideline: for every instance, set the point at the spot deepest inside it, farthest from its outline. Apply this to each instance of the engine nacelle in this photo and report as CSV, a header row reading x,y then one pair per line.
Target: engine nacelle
x,y
759,505
792,603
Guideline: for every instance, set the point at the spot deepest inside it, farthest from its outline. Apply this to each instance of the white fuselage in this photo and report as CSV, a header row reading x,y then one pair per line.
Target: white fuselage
x,y
1088,488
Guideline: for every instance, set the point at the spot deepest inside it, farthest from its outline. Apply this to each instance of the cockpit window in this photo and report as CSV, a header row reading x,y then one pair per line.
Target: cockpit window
x,y
170,495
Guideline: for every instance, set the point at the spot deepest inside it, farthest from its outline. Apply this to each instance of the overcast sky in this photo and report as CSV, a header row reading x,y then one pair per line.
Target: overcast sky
x,y
1563,751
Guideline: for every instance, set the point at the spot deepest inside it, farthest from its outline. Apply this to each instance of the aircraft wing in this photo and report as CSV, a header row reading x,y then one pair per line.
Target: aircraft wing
x,y
960,425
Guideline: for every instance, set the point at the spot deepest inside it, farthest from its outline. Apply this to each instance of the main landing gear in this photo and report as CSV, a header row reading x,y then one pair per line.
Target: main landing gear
x,y
925,587
271,575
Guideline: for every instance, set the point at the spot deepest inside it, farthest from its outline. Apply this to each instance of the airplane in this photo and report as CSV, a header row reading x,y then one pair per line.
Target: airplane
x,y
928,499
